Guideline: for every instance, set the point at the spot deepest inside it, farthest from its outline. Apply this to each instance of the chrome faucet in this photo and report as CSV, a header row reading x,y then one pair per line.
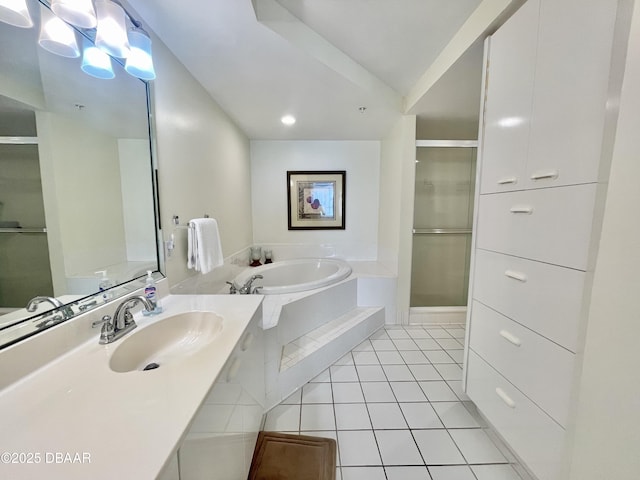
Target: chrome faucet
x,y
122,321
66,310
246,288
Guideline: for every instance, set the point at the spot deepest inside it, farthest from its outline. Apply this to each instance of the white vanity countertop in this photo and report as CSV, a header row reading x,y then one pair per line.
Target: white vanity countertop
x,y
113,425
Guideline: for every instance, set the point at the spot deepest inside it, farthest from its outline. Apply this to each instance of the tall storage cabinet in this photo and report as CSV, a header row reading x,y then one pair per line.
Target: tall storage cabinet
x,y
550,76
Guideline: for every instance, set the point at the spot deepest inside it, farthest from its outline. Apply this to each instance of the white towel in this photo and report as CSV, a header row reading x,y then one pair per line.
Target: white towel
x,y
205,250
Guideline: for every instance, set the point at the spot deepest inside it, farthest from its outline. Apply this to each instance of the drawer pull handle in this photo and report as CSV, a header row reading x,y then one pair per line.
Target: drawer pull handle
x,y
505,398
508,180
510,338
550,175
527,210
521,277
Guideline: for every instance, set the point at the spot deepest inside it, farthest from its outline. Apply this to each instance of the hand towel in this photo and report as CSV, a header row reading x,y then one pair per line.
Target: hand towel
x,y
204,247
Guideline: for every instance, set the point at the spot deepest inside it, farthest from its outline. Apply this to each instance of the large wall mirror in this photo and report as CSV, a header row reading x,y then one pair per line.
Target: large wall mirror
x,y
76,183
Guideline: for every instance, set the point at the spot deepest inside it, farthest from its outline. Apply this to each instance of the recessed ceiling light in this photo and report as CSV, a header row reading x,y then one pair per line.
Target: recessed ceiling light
x,y
288,120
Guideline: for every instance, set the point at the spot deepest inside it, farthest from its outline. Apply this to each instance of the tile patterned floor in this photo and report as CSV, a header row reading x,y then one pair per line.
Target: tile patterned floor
x,y
395,406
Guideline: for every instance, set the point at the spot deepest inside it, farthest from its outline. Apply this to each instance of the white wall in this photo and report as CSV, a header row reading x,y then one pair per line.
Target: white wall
x,y
397,173
270,161
203,161
607,430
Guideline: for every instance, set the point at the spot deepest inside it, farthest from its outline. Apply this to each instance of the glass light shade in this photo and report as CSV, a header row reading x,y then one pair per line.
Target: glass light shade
x,y
111,34
140,62
16,13
57,36
95,62
76,12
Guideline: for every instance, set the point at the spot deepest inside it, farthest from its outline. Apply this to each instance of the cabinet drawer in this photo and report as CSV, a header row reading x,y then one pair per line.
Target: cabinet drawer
x,y
545,298
532,434
552,225
538,367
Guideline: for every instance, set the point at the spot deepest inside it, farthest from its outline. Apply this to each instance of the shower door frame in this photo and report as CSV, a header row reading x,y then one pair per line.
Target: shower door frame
x,y
441,314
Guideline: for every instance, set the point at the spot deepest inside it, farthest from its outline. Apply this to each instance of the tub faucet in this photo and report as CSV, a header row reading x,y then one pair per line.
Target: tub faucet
x,y
122,321
246,288
32,305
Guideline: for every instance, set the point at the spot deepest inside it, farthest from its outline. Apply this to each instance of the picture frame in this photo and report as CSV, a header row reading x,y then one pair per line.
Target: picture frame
x,y
316,200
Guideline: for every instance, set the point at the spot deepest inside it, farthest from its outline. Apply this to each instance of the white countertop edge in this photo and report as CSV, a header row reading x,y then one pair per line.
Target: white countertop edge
x,y
128,424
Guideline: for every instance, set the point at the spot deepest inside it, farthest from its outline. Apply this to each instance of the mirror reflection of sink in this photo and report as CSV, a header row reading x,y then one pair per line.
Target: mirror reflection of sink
x,y
166,341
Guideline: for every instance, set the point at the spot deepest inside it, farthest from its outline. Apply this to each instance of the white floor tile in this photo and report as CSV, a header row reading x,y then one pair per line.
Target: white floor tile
x,y
398,373
358,448
321,377
397,333
377,392
456,355
390,358
427,344
283,418
476,446
345,360
317,393
294,398
438,391
351,416
437,447
406,344
363,473
425,372
338,473
456,386
371,373
418,333
455,415
397,447
407,473
343,373
450,343
363,347
440,356
461,472
383,345
380,335
495,472
408,392
438,332
449,371
420,415
413,357
386,416
347,392
365,358
456,332
317,417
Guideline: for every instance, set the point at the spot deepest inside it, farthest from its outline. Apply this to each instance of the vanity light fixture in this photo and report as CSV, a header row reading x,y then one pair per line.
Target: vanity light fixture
x,y
16,13
76,12
95,62
56,36
111,33
288,120
140,62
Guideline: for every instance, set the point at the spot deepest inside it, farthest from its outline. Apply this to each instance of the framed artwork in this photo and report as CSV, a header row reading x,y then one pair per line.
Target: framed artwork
x,y
316,200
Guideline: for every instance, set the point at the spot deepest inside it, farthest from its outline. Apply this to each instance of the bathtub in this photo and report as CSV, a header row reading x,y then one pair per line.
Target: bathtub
x,y
289,276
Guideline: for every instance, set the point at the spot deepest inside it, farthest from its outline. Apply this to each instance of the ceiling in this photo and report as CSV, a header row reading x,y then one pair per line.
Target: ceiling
x,y
321,60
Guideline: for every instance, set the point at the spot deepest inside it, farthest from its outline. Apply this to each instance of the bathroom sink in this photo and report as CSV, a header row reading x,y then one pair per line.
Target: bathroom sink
x,y
166,341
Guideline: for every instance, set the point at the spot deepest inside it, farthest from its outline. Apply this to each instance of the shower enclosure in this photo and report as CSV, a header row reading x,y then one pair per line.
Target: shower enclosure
x,y
443,217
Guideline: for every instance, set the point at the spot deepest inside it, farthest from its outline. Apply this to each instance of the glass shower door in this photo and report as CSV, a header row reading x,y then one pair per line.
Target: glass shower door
x,y
443,216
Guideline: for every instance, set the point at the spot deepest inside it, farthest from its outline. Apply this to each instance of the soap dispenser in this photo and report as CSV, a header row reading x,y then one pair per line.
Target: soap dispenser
x,y
104,285
151,294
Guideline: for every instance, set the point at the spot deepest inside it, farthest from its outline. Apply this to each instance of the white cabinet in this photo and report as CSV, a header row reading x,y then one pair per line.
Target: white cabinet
x,y
223,434
547,92
549,89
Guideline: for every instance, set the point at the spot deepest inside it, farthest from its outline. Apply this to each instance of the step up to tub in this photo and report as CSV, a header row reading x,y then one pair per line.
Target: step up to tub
x,y
326,336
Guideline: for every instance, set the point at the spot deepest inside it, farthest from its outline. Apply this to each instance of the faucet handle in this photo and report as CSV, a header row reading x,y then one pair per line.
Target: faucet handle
x,y
233,289
105,319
